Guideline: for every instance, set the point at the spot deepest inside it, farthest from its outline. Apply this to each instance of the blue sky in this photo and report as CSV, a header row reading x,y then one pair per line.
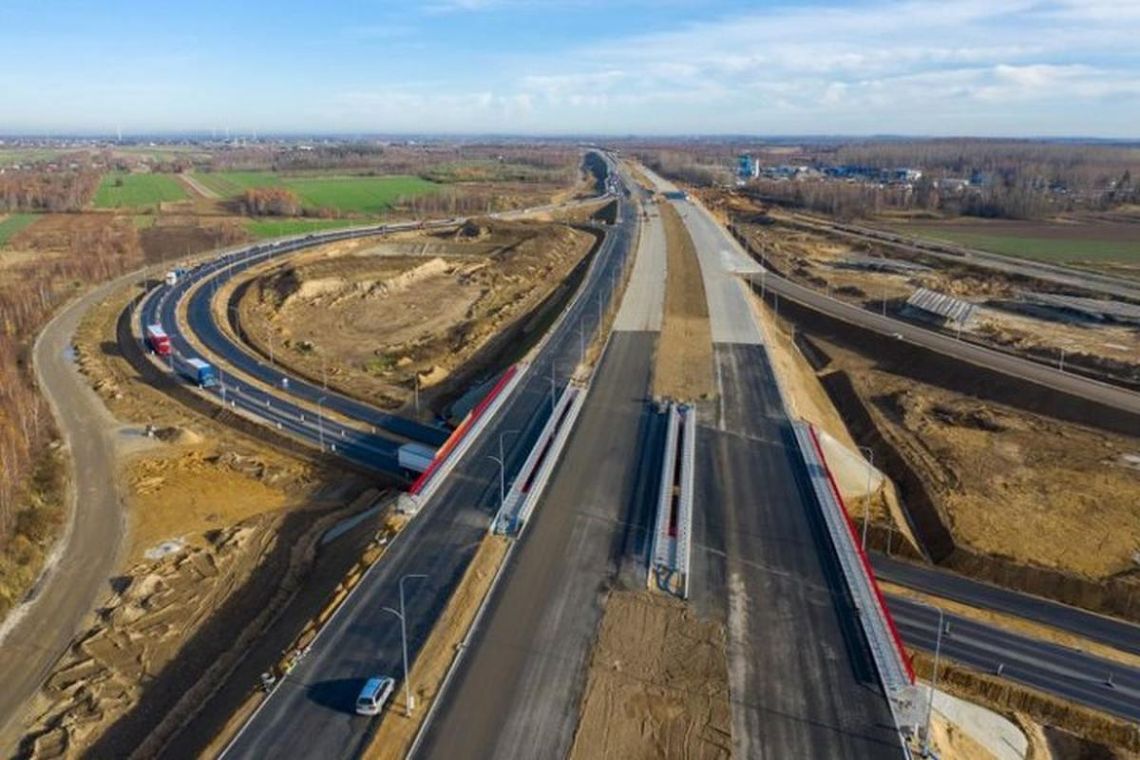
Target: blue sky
x,y
992,67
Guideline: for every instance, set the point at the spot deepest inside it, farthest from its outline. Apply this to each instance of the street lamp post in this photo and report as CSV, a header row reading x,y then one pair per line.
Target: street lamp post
x,y
404,639
501,460
870,455
933,677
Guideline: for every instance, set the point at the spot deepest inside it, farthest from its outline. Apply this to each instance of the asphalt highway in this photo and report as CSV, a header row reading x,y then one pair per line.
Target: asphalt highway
x,y
1112,632
311,713
517,693
801,675
587,535
303,409
1061,671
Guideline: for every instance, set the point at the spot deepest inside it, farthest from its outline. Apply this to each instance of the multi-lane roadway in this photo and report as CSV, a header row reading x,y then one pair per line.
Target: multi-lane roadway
x,y
311,713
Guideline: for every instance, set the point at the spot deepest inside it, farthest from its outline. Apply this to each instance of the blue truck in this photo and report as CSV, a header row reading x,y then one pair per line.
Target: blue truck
x,y
202,373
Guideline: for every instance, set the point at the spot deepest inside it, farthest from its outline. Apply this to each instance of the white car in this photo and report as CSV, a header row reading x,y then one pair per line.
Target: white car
x,y
374,695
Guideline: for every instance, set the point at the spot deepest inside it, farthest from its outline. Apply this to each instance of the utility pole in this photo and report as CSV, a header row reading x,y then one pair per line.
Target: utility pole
x,y
408,706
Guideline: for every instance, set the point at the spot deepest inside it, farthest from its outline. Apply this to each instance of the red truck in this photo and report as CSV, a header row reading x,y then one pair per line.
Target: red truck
x,y
157,340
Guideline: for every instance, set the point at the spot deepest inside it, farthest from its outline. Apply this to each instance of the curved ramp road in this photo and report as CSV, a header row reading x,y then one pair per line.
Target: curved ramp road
x,y
311,712
1051,668
39,631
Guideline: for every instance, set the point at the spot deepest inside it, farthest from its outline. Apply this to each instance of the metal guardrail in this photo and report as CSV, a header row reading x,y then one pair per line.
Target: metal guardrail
x,y
531,478
672,535
685,498
662,541
893,668
460,441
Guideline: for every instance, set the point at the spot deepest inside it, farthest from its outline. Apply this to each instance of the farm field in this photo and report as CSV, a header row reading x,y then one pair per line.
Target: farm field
x,y
1059,243
13,223
349,195
137,190
267,228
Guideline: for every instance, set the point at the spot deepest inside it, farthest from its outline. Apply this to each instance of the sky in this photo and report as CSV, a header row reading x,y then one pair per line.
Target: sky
x,y
565,67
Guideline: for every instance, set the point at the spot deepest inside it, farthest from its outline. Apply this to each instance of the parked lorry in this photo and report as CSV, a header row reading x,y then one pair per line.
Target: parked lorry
x,y
415,457
202,373
157,340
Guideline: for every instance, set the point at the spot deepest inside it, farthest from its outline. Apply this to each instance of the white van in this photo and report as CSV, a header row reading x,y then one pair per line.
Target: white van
x,y
374,695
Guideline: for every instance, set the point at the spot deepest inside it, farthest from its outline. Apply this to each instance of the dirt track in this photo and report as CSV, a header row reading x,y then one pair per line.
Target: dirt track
x,y
216,523
660,693
683,368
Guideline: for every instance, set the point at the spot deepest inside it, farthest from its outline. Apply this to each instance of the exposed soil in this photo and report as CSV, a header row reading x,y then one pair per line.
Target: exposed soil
x,y
683,368
994,471
657,684
371,319
221,529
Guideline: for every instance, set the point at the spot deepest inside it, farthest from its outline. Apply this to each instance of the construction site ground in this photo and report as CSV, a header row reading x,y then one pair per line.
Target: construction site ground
x,y
809,400
657,684
371,316
222,528
819,261
683,366
1030,488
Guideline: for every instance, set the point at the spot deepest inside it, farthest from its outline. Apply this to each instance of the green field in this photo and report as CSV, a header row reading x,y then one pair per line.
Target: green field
x,y
137,190
1055,249
348,195
12,224
267,228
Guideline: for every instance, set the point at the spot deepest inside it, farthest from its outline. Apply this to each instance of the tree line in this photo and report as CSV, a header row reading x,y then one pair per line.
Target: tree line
x,y
47,191
28,295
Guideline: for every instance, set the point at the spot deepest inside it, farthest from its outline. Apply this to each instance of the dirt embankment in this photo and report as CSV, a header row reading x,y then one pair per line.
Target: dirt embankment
x,y
657,684
998,493
683,366
222,530
370,321
1003,695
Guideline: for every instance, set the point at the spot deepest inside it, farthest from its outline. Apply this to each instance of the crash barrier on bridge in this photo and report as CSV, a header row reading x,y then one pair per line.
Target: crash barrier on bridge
x,y
894,669
459,441
528,485
672,535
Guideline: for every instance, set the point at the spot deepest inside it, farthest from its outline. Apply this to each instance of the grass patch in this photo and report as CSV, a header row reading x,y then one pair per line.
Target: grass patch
x,y
122,190
348,195
1057,250
12,224
268,228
